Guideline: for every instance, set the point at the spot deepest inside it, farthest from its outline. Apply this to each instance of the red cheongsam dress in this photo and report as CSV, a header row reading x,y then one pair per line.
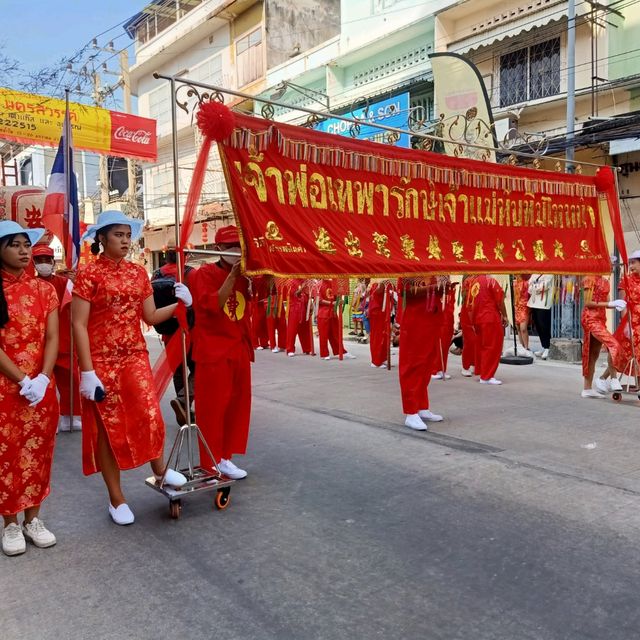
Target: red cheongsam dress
x,y
130,412
27,434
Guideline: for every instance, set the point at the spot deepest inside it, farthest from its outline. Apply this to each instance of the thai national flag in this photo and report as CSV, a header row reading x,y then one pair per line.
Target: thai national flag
x,y
64,224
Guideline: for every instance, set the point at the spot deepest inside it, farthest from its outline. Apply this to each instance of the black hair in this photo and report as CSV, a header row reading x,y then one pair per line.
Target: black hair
x,y
4,309
95,245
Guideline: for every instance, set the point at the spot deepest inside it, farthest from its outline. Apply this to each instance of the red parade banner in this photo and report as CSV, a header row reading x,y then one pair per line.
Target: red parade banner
x,y
314,204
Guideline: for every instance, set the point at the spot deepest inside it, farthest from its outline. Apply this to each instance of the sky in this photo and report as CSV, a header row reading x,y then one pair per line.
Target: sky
x,y
39,32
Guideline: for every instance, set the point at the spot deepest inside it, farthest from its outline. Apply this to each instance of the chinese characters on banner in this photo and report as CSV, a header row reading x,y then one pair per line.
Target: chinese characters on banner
x,y
33,119
314,204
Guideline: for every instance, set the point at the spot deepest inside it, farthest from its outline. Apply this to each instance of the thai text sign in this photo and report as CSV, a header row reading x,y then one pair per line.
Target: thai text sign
x,y
313,204
33,119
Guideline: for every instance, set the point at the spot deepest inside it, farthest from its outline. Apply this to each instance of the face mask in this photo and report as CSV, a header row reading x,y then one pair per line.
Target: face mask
x,y
44,269
234,258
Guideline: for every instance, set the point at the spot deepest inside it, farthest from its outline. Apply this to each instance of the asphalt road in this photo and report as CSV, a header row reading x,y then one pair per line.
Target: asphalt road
x,y
516,518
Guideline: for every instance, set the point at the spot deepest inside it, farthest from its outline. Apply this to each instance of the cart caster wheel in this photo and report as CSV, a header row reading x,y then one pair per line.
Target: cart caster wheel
x,y
223,499
617,396
175,509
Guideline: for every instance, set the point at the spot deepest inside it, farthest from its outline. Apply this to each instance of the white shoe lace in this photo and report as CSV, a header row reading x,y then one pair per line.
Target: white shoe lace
x,y
36,528
12,533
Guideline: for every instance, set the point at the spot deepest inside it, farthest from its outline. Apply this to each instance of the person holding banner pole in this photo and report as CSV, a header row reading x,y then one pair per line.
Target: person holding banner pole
x,y
489,317
329,322
297,322
121,418
420,330
378,310
66,363
276,318
469,338
223,352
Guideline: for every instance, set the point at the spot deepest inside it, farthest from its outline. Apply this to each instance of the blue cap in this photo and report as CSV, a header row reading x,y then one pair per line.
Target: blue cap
x,y
107,218
9,228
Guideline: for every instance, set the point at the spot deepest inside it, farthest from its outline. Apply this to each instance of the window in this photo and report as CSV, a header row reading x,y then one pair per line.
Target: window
x,y
249,58
209,71
530,73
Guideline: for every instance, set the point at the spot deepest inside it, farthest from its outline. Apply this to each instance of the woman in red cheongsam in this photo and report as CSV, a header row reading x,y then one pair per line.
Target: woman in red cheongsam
x,y
594,324
110,299
28,404
629,290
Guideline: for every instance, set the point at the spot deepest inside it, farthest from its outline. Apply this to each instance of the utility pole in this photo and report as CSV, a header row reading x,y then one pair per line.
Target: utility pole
x,y
98,98
571,83
131,166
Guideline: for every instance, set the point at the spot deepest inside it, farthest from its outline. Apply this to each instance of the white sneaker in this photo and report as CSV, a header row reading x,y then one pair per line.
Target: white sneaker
x,y
425,414
614,384
64,424
230,470
122,514
38,534
172,478
275,350
13,542
602,385
591,393
437,376
77,423
259,348
348,356
373,366
383,366
545,354
326,358
291,354
413,422
490,381
467,373
538,353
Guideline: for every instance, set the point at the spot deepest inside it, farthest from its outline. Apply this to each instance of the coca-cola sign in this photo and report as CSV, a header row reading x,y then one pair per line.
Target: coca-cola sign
x,y
140,136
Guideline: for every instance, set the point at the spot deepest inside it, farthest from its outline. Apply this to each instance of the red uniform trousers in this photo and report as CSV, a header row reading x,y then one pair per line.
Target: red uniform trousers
x,y
278,324
469,345
378,336
329,334
490,336
224,406
298,327
259,331
419,353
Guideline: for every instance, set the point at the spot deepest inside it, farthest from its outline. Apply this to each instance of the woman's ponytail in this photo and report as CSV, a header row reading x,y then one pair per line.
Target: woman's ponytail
x,y
95,247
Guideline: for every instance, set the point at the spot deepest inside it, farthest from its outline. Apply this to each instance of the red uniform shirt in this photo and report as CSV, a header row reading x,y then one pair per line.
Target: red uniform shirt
x,y
327,293
486,298
220,332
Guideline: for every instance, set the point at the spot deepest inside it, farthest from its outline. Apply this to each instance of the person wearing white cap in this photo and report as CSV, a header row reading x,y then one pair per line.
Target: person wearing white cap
x,y
594,324
122,422
28,403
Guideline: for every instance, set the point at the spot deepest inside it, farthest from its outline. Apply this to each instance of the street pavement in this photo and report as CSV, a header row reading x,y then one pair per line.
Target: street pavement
x,y
516,518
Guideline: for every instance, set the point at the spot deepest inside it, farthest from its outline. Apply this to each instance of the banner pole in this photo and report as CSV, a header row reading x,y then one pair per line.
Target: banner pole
x,y
67,245
324,114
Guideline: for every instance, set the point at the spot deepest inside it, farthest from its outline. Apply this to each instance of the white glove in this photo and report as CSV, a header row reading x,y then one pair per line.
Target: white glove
x,y
25,385
182,293
618,305
89,382
36,390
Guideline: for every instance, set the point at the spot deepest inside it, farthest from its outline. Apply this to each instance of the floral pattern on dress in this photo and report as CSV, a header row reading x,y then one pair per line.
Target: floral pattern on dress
x,y
130,411
27,434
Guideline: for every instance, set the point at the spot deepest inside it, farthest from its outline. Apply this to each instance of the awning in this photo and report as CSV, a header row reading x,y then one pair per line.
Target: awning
x,y
509,28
